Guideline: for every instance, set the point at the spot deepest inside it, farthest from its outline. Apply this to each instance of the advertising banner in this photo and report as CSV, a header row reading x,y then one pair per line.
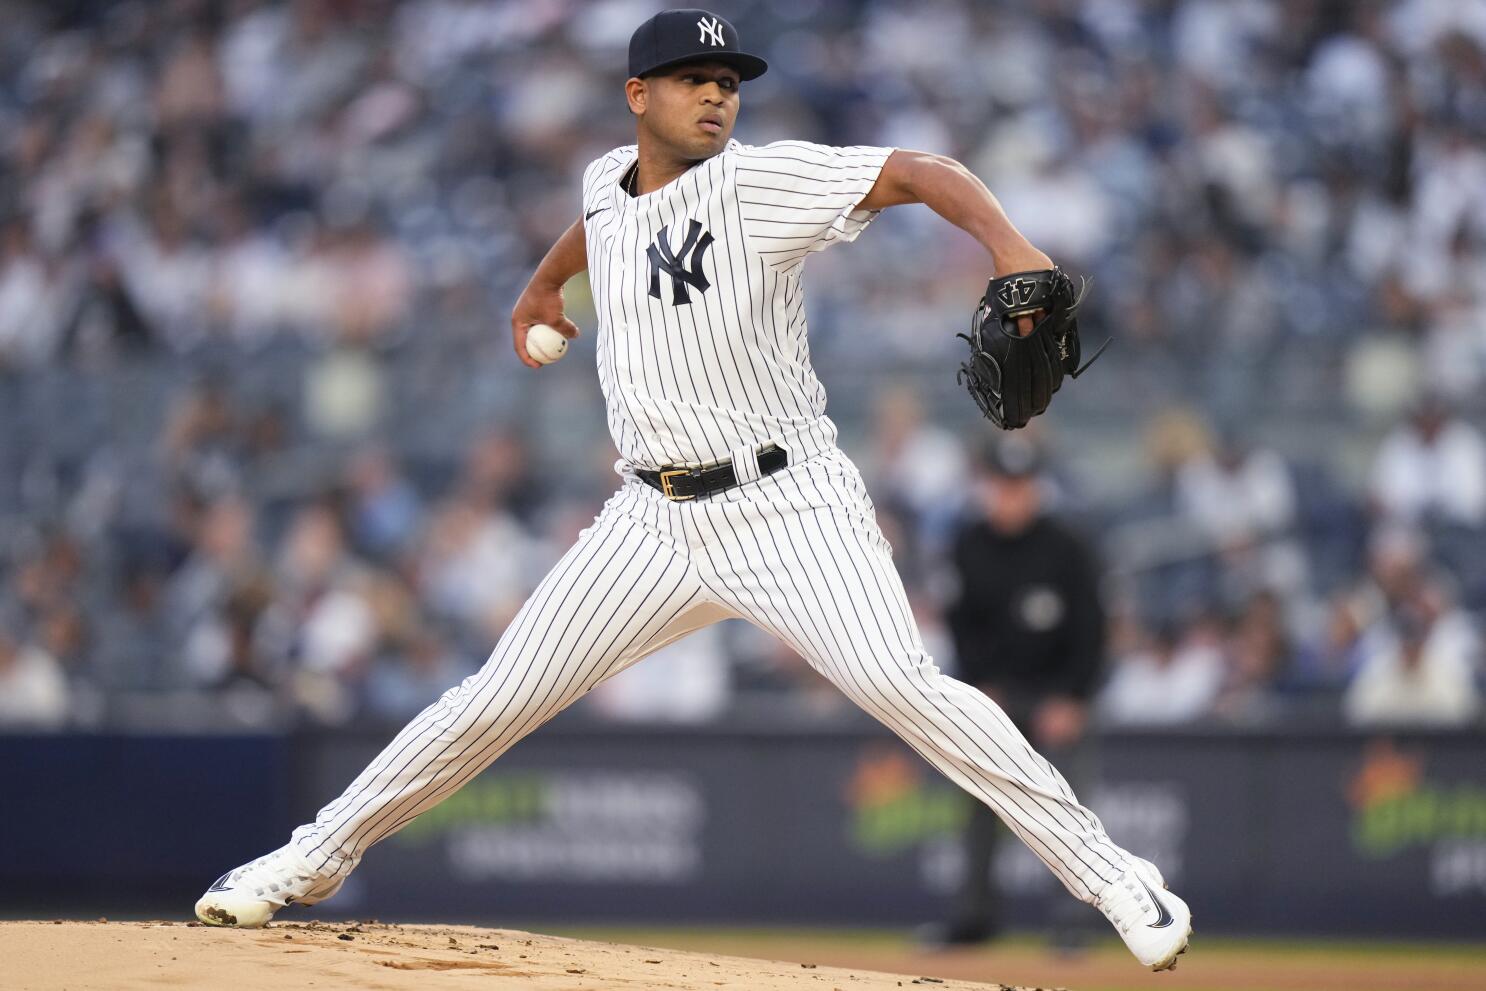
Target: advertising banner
x,y
1321,833
1325,833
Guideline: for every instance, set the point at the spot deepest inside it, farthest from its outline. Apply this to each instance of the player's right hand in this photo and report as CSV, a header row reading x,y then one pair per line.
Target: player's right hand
x,y
538,304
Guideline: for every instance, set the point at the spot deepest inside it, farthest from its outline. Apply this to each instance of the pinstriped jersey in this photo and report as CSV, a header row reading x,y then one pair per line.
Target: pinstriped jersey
x,y
702,353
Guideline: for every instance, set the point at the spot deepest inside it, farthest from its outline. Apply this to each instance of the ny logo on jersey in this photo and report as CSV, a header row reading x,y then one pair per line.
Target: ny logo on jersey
x,y
683,272
1016,294
711,31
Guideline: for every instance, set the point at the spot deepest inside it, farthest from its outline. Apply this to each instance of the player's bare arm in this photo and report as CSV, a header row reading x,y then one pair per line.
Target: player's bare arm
x,y
956,194
1011,380
541,300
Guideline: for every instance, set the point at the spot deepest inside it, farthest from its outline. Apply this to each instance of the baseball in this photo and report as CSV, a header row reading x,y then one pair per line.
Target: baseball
x,y
545,344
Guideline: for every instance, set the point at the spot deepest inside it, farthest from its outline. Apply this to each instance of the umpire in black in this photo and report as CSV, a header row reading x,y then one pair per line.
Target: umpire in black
x,y
1028,630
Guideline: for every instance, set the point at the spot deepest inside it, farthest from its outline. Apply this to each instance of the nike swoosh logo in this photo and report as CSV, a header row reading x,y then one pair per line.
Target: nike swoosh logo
x,y
1165,917
590,213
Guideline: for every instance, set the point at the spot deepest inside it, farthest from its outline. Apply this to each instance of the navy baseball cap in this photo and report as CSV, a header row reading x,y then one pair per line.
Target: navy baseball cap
x,y
676,36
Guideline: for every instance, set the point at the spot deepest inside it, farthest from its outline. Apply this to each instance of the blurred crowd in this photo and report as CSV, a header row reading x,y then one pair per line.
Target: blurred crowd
x,y
264,443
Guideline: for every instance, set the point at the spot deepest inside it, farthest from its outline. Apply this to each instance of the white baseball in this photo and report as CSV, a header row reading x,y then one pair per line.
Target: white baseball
x,y
545,344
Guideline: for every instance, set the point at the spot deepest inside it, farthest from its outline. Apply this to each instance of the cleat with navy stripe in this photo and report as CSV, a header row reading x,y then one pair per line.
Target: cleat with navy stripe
x,y
1154,923
248,897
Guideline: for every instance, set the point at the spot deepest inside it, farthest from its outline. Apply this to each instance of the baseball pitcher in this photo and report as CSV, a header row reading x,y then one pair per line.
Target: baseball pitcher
x,y
735,501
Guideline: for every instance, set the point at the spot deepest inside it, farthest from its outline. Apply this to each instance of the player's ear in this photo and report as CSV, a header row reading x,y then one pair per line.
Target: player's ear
x,y
637,93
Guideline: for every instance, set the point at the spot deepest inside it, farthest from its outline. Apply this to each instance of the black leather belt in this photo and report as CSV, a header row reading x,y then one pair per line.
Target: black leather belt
x,y
680,484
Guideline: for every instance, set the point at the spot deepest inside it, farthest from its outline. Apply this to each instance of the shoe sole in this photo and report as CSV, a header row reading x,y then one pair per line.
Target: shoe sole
x,y
1171,963
216,917
225,918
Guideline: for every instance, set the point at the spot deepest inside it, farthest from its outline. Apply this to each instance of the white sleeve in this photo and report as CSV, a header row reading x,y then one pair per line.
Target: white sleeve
x,y
796,197
603,171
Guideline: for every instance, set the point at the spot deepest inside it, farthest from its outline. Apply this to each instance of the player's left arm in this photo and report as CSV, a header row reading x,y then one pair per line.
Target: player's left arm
x,y
956,194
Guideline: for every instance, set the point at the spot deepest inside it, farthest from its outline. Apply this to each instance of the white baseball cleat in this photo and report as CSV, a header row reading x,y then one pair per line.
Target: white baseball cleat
x,y
249,896
1154,923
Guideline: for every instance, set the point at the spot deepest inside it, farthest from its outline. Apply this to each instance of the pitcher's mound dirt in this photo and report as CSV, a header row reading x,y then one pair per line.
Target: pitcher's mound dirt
x,y
51,956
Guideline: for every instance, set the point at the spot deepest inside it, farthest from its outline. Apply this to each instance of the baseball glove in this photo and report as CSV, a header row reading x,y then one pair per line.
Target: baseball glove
x,y
1013,378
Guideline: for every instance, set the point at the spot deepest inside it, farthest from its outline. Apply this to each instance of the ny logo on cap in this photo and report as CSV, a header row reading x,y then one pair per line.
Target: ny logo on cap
x,y
711,31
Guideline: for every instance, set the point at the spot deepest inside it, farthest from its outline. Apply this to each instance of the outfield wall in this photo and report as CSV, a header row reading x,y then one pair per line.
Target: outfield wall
x,y
1313,832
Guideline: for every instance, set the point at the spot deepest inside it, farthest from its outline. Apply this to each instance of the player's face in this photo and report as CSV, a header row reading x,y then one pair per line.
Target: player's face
x,y
692,108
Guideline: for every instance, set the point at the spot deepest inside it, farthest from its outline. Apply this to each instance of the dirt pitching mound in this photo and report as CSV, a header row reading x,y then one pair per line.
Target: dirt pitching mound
x,y
49,956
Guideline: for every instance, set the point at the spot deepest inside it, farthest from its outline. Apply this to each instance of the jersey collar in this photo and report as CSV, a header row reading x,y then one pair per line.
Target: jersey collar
x,y
621,185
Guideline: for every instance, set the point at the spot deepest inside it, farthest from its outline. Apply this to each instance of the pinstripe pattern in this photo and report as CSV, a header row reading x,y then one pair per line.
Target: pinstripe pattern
x,y
730,370
621,592
797,553
814,570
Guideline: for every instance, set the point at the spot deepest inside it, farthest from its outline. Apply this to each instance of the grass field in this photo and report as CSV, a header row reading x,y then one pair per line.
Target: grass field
x,y
1213,964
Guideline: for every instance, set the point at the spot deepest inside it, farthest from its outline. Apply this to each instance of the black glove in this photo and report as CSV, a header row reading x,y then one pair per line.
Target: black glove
x,y
1013,378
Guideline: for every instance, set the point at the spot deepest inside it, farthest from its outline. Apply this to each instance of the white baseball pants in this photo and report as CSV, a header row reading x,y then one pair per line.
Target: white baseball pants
x,y
797,553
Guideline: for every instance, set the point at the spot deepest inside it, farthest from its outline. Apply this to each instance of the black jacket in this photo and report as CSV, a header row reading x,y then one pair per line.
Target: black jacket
x,y
1027,620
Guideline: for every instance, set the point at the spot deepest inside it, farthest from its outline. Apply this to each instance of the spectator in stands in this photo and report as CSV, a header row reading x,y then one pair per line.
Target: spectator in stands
x,y
371,280
134,650
1331,656
475,565
1432,468
224,553
384,509
1175,676
167,272
63,633
47,576
1419,667
1397,565
1242,499
478,558
1258,654
33,689
915,467
199,441
32,299
325,593
1398,569
224,652
1238,494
